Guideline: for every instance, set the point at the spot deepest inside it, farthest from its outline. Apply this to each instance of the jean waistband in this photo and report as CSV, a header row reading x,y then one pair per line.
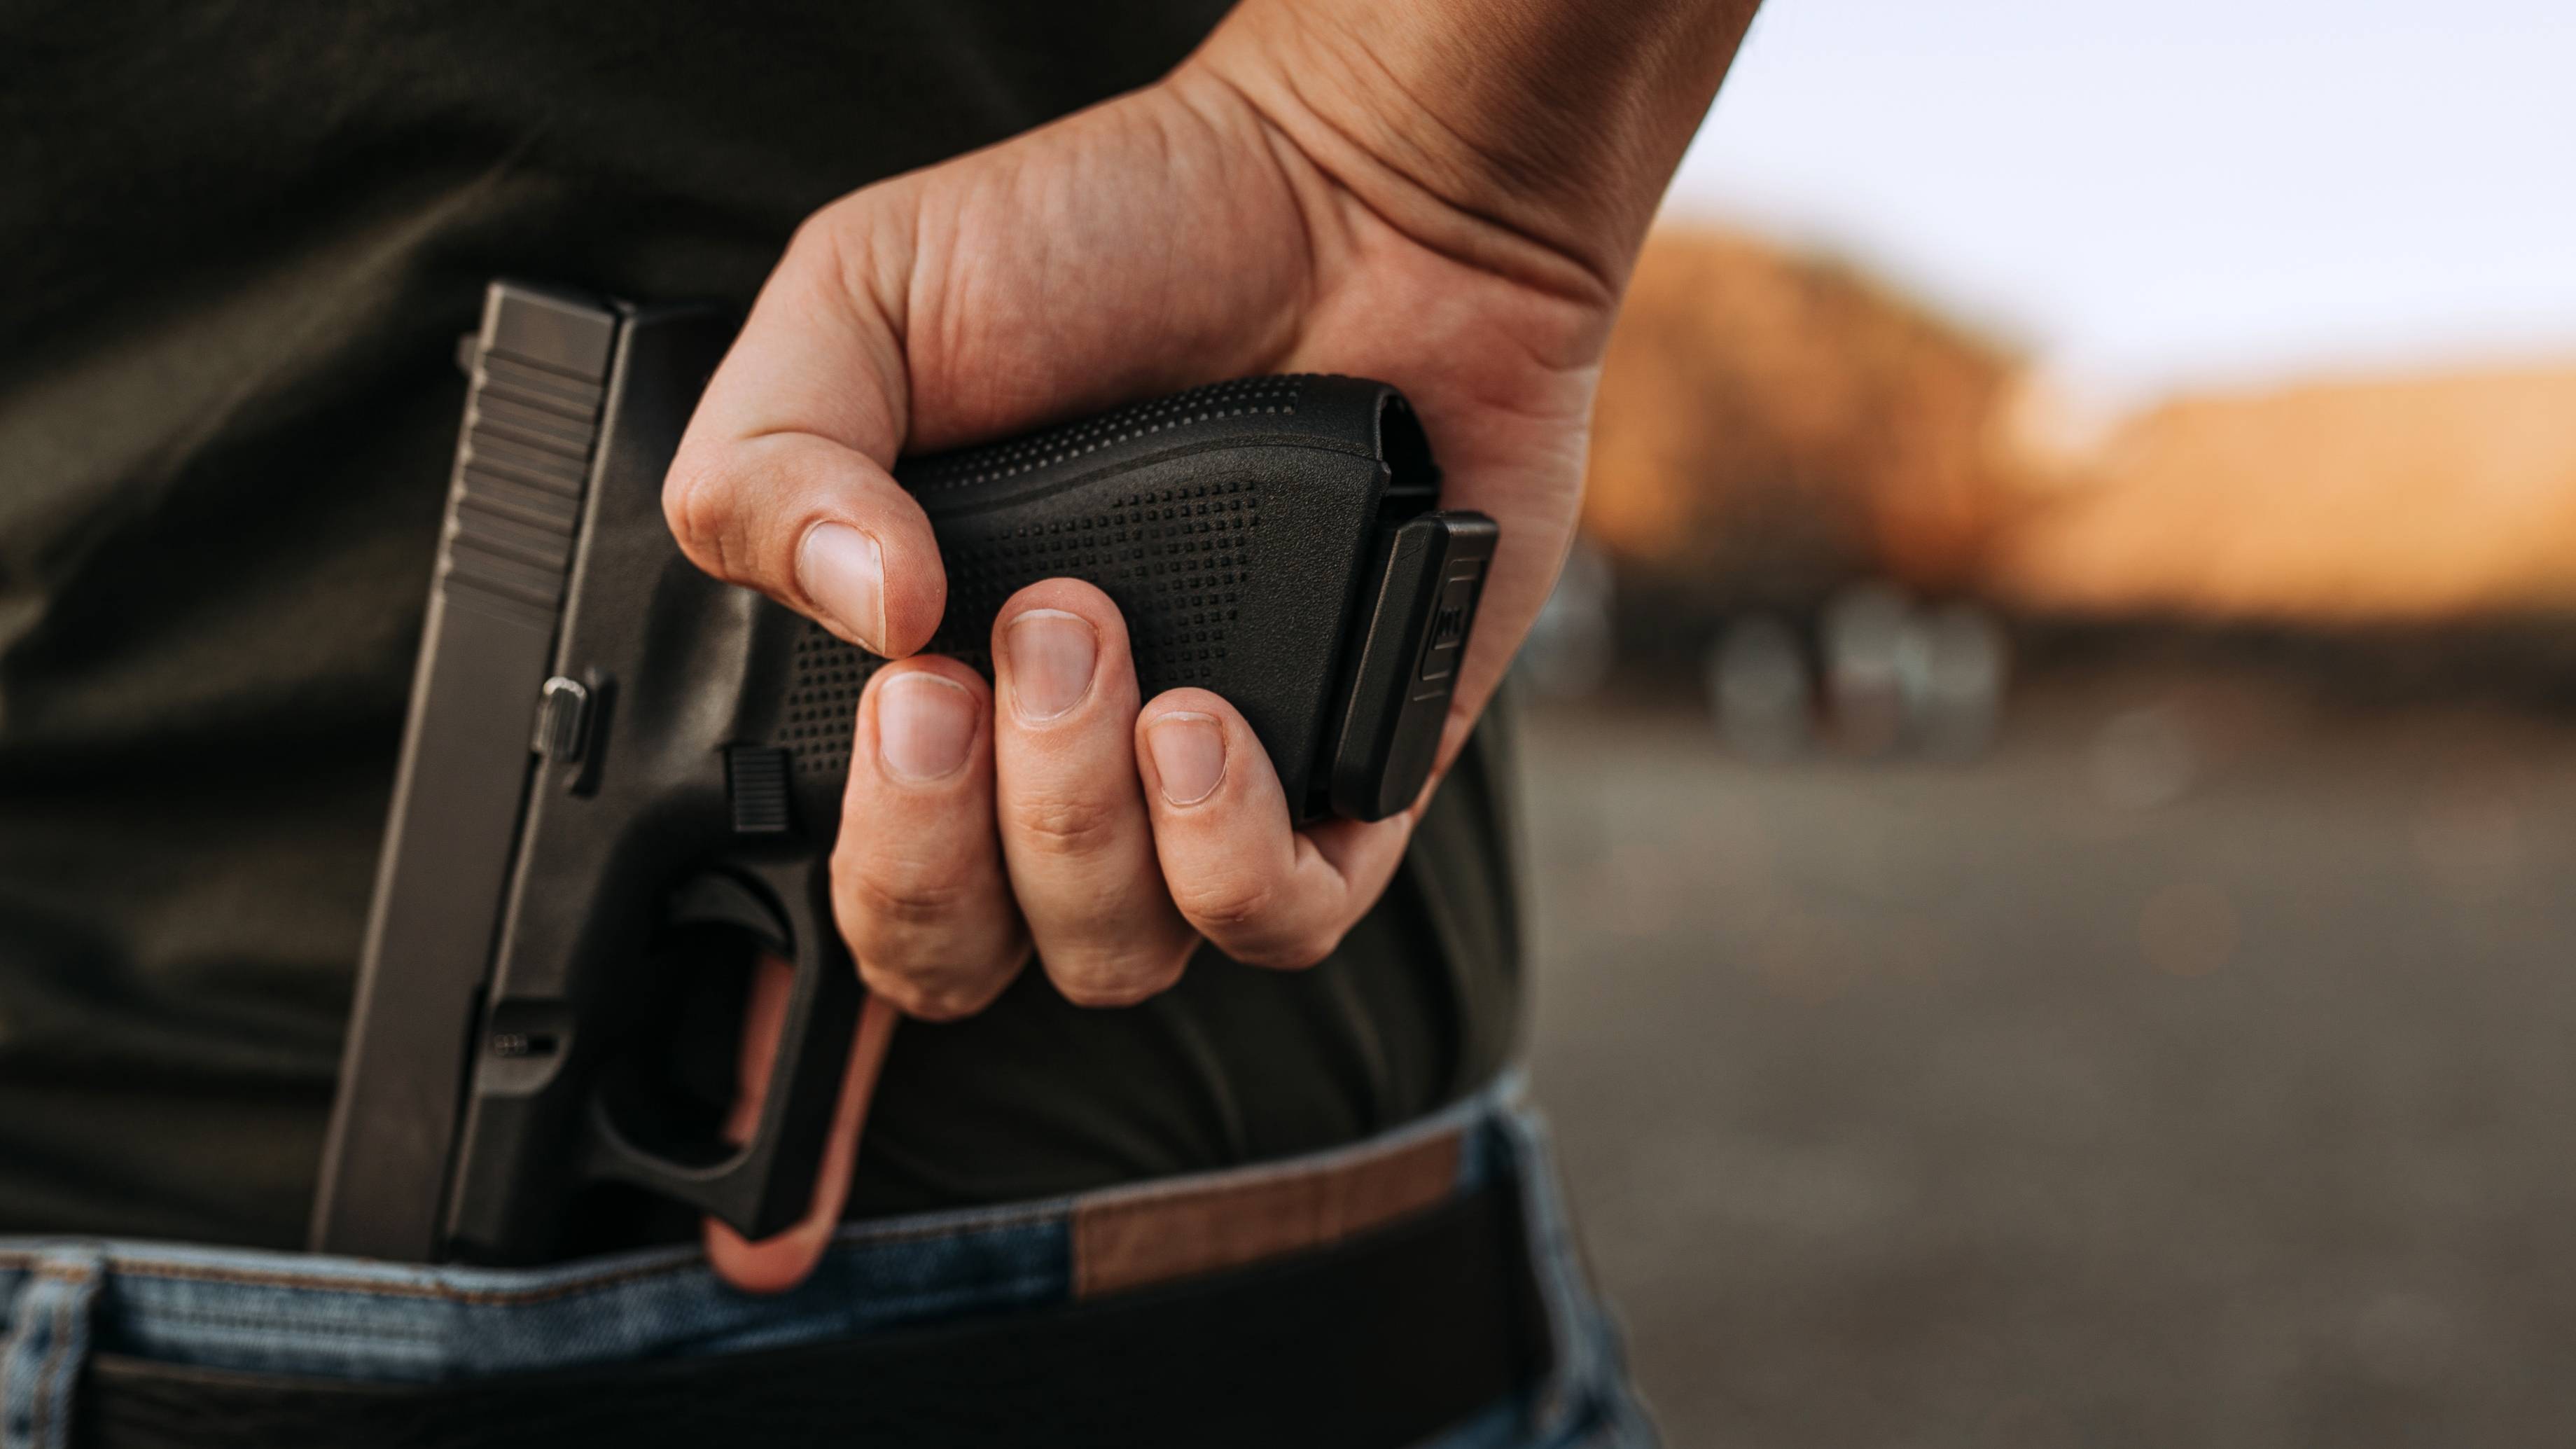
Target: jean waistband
x,y
375,1321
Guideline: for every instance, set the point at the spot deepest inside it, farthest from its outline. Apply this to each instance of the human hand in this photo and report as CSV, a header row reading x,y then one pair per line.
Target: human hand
x,y
1282,202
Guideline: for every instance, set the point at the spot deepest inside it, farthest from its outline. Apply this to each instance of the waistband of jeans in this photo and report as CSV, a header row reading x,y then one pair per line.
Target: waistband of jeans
x,y
297,1313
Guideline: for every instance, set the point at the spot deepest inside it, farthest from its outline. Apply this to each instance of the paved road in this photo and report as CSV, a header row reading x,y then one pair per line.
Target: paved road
x,y
2198,1069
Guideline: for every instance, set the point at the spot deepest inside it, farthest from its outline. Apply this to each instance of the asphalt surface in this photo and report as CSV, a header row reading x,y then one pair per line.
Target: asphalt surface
x,y
2194,1069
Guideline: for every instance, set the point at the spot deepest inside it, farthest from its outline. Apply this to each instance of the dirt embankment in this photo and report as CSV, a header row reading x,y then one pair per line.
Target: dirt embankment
x,y
1772,425
2394,500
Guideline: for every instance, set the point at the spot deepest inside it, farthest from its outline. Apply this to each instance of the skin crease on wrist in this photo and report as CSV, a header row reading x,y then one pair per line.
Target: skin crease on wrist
x,y
1482,169
1557,124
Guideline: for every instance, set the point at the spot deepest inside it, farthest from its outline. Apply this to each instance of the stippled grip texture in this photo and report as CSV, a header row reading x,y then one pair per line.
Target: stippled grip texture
x,y
1229,523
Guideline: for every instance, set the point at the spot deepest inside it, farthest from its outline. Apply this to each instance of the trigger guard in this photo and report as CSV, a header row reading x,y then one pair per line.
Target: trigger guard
x,y
723,900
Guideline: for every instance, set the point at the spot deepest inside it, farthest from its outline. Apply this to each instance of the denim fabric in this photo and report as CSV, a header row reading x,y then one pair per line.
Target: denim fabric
x,y
386,1322
40,1360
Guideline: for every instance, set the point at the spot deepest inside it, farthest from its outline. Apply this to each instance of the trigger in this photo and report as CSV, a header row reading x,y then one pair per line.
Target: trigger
x,y
722,900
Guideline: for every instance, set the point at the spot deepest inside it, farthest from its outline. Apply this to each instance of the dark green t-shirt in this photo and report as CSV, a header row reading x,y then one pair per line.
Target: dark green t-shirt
x,y
239,245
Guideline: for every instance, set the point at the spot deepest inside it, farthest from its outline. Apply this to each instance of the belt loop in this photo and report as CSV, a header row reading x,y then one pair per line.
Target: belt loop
x,y
1556,1262
46,1346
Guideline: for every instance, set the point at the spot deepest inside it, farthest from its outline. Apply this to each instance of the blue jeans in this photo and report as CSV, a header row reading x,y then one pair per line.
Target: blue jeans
x,y
358,1320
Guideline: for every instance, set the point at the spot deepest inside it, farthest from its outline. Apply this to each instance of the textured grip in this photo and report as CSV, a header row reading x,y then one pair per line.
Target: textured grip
x,y
1174,558
1227,522
942,479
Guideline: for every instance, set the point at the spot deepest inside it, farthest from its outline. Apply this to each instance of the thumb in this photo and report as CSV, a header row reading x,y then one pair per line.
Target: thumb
x,y
780,483
780,1262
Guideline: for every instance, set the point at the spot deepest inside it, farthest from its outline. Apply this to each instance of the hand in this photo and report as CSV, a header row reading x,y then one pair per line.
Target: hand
x,y
1277,204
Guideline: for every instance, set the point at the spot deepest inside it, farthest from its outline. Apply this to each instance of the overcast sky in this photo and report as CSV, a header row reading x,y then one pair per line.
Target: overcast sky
x,y
2189,191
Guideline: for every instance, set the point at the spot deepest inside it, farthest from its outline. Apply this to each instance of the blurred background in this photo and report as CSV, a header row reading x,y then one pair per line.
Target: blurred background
x,y
2052,775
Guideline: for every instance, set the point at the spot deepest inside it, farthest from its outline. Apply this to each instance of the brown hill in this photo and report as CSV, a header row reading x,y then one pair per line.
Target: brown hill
x,y
2401,500
1771,424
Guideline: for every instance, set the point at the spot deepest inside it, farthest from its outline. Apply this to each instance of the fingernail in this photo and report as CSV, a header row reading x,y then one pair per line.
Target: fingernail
x,y
1051,657
1189,755
924,724
844,575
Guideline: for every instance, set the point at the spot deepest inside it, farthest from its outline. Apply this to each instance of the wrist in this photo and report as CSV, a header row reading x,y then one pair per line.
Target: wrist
x,y
1532,126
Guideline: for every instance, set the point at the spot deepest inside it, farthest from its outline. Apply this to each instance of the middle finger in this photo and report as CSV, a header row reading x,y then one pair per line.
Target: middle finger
x,y
1075,834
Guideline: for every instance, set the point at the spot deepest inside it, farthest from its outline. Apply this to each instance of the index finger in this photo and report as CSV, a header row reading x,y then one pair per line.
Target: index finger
x,y
781,483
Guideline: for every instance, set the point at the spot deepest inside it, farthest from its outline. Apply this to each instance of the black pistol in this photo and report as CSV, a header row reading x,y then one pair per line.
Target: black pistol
x,y
607,750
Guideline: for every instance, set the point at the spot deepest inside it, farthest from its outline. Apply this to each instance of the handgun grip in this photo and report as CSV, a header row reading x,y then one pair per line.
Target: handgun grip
x,y
766,1184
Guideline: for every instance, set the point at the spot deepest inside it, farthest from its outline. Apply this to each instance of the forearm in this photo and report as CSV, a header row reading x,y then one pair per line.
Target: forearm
x,y
1551,123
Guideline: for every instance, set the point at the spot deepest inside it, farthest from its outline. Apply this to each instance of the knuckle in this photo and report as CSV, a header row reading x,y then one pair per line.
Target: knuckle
x,y
826,251
910,993
935,993
698,504
942,974
817,239
1099,994
1113,980
902,894
1227,903
1300,951
1067,825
